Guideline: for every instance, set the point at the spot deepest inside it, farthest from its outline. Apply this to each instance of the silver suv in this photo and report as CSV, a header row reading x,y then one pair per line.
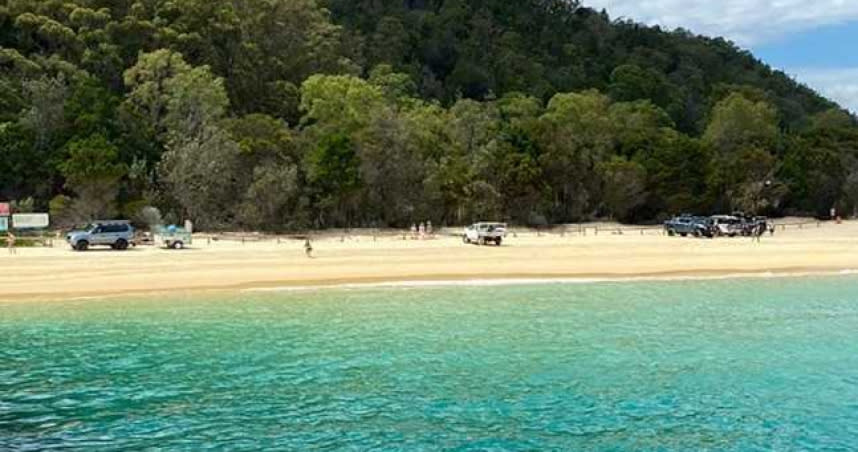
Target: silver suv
x,y
115,234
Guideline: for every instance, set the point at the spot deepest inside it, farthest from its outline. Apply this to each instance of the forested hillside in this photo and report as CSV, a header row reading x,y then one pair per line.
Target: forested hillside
x,y
292,114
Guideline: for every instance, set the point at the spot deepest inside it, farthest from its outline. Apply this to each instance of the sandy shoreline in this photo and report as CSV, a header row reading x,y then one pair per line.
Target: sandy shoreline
x,y
58,273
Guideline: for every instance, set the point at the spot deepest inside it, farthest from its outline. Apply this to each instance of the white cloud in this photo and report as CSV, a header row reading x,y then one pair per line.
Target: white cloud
x,y
838,84
746,22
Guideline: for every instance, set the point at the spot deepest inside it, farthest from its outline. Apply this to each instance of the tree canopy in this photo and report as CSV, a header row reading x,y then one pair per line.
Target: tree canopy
x,y
293,114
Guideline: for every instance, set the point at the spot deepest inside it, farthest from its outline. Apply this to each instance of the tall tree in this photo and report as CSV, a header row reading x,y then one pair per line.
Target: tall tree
x,y
575,136
93,172
743,136
200,174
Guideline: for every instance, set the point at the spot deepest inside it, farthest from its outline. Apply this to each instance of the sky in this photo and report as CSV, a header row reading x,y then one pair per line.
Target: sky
x,y
816,42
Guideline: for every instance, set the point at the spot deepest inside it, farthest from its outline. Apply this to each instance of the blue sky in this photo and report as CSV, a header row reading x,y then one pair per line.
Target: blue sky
x,y
815,42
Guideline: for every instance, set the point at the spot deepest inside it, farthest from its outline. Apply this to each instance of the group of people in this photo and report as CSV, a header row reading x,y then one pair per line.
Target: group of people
x,y
422,231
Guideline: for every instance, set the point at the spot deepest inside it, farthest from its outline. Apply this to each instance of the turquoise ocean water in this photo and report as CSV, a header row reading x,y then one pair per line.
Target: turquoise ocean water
x,y
729,365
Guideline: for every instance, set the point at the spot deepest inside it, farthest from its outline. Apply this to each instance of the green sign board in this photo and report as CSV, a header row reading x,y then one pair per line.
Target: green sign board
x,y
4,224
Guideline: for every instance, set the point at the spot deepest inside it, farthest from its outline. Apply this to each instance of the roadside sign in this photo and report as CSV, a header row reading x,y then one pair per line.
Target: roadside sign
x,y
4,209
4,224
30,220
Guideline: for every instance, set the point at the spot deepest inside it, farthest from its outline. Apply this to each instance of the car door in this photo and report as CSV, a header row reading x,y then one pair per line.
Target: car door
x,y
125,232
108,235
95,237
471,232
116,231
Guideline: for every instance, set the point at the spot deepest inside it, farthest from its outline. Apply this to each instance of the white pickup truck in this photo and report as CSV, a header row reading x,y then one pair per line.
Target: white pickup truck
x,y
485,233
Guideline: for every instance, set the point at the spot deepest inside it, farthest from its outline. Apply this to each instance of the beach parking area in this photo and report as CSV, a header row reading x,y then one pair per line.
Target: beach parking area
x,y
60,273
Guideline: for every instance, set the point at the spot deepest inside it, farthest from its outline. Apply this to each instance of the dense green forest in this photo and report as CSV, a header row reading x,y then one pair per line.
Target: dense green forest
x,y
292,114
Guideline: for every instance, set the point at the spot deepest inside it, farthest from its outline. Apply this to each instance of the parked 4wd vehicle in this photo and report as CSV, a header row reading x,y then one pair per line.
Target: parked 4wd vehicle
x,y
682,225
686,225
754,225
115,234
760,224
727,226
485,233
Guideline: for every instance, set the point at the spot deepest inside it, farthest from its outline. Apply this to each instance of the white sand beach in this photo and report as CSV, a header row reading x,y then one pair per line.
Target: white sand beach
x,y
60,273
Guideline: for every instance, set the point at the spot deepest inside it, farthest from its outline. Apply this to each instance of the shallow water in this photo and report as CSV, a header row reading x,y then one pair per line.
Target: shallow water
x,y
738,365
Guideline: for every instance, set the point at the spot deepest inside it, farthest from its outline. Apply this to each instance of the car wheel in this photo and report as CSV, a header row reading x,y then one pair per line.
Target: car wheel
x,y
498,241
684,234
671,232
121,244
83,245
178,245
466,240
697,234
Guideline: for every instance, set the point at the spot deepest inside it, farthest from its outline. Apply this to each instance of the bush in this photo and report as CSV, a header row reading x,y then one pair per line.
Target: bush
x,y
21,243
142,214
26,205
132,211
150,216
62,214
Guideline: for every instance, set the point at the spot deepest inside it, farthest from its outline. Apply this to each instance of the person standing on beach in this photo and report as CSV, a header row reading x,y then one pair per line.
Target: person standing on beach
x,y
758,232
10,242
308,249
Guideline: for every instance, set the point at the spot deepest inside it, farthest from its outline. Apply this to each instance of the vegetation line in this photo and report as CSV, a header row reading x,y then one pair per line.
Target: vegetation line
x,y
279,115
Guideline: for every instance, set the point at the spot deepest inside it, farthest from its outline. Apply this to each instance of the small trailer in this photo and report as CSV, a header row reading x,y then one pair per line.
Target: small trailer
x,y
172,237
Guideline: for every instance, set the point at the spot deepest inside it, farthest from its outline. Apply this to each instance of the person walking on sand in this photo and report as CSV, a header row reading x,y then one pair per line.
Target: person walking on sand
x,y
308,249
10,242
758,232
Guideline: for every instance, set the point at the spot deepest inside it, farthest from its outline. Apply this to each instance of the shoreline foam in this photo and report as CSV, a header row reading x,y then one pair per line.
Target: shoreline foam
x,y
511,282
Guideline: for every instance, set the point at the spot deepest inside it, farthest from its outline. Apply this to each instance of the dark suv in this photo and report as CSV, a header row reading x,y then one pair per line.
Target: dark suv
x,y
685,225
